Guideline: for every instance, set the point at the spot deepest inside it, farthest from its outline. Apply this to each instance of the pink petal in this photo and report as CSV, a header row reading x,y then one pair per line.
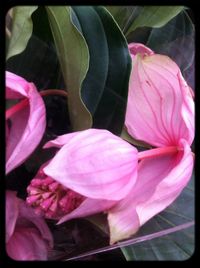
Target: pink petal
x,y
136,48
158,102
160,181
26,244
61,140
187,110
88,207
12,211
27,125
27,218
96,164
16,86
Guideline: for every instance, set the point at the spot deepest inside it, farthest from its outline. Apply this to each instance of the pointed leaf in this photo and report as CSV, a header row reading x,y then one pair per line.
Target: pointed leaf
x,y
73,55
154,16
21,30
105,87
176,39
124,15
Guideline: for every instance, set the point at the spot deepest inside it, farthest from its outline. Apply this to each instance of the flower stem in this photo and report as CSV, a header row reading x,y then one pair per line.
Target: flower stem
x,y
158,152
22,104
16,108
48,92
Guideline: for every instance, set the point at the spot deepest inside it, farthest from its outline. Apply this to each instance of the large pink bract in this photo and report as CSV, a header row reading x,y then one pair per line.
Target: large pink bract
x,y
160,112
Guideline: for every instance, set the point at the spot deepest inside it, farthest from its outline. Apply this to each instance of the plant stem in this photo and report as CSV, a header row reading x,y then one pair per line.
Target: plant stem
x,y
158,152
48,92
16,108
22,104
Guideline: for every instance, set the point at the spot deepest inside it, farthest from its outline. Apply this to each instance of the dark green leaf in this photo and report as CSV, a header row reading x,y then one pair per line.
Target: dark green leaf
x,y
30,64
21,30
129,18
93,31
105,88
176,39
124,15
154,16
74,60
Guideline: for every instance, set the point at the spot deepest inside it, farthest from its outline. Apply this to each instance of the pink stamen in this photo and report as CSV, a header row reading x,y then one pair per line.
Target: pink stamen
x,y
36,182
47,203
46,195
32,199
32,190
54,186
63,201
54,206
50,198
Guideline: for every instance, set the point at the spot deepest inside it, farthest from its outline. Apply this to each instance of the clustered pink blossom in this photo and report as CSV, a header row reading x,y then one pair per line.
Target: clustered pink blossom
x,y
50,198
95,171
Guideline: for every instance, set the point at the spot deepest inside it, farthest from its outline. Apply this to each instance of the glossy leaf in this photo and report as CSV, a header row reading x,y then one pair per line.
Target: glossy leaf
x,y
124,15
88,21
176,39
154,16
104,90
130,18
73,55
21,30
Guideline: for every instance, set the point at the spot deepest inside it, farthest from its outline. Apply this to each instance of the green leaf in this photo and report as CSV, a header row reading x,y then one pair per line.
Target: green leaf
x,y
105,88
130,18
73,55
21,30
176,39
175,246
154,16
124,15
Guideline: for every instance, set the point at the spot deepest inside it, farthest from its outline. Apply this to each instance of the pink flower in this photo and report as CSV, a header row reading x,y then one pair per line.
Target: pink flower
x,y
27,235
25,121
92,171
104,169
160,111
